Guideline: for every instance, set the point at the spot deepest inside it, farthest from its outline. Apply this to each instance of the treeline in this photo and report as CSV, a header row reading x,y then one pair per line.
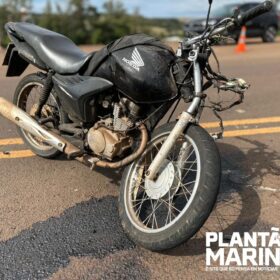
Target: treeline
x,y
84,24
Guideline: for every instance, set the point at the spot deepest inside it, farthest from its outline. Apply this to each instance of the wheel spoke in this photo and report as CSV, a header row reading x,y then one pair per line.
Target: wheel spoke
x,y
169,204
153,211
154,220
156,214
188,171
169,210
140,206
140,201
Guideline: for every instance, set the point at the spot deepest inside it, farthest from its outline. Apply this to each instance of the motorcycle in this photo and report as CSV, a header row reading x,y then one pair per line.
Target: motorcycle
x,y
103,109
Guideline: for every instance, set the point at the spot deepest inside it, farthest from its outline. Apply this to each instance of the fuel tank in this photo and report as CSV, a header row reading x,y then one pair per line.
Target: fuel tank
x,y
139,66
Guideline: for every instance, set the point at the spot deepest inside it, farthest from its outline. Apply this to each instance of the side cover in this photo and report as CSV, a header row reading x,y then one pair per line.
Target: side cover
x,y
77,94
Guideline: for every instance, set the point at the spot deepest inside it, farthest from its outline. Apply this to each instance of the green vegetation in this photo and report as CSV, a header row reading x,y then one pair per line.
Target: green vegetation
x,y
81,21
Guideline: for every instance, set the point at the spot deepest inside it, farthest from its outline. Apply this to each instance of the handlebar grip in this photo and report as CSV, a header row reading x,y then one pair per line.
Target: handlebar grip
x,y
257,11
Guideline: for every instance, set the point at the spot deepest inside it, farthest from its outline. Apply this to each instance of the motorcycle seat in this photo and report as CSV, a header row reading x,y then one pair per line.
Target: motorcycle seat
x,y
58,52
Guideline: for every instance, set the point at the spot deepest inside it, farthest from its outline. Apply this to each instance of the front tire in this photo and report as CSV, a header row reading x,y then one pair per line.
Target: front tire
x,y
199,202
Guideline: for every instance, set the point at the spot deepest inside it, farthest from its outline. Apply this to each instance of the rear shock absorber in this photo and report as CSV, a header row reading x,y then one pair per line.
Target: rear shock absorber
x,y
46,91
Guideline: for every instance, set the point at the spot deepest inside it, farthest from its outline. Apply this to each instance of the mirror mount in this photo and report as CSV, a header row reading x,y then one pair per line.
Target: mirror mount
x,y
208,14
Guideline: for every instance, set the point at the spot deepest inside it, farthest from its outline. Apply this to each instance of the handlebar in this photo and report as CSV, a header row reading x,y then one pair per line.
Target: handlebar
x,y
257,11
240,20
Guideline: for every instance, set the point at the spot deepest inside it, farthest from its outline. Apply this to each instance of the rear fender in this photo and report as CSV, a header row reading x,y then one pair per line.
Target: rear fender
x,y
16,64
18,56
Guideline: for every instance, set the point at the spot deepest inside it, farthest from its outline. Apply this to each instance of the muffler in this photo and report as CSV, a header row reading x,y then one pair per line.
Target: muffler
x,y
24,121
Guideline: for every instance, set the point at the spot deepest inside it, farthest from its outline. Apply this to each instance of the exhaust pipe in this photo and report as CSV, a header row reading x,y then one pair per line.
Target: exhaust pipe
x,y
24,121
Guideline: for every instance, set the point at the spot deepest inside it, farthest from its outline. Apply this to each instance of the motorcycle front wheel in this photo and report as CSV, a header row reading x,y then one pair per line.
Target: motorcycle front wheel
x,y
162,214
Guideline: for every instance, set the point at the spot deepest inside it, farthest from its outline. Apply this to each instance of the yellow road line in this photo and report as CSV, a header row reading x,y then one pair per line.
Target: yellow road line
x,y
227,134
16,154
248,132
11,141
18,141
243,122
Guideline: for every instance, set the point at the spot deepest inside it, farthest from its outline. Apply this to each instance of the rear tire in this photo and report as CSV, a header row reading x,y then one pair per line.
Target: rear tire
x,y
22,93
269,35
201,204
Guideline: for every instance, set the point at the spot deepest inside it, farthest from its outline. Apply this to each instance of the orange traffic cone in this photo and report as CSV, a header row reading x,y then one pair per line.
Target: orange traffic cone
x,y
241,46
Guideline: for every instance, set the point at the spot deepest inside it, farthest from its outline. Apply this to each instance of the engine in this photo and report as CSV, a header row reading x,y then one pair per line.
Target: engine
x,y
109,137
107,143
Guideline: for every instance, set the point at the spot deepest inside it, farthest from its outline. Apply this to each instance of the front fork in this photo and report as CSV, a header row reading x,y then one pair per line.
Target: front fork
x,y
185,118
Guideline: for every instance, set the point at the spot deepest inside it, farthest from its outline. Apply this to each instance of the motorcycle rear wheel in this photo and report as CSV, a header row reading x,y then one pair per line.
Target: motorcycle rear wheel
x,y
162,214
26,97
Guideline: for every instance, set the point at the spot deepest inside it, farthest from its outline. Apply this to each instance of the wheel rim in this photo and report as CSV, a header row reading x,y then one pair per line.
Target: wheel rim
x,y
27,100
151,209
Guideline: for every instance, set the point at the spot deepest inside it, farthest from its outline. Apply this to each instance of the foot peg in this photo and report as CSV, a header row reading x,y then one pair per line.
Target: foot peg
x,y
75,155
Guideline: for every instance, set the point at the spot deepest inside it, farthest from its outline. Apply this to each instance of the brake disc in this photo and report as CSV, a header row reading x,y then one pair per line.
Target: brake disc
x,y
166,184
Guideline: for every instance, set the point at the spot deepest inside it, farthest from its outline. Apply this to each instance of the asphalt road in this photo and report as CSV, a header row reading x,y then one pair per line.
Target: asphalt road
x,y
59,220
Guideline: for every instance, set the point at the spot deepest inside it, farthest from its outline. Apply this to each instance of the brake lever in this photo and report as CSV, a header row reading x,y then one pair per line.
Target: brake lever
x,y
236,85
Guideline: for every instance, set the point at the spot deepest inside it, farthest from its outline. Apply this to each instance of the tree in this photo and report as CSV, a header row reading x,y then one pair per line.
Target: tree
x,y
114,23
15,5
78,24
47,18
136,21
114,8
4,16
76,20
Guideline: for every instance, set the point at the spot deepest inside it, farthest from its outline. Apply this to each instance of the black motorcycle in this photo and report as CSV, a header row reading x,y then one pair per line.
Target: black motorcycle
x,y
103,108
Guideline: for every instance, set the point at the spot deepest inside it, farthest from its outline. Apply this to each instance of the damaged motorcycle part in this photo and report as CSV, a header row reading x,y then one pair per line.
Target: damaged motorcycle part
x,y
184,120
110,94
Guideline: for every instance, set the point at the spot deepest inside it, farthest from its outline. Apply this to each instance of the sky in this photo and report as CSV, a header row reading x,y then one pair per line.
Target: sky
x,y
158,8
